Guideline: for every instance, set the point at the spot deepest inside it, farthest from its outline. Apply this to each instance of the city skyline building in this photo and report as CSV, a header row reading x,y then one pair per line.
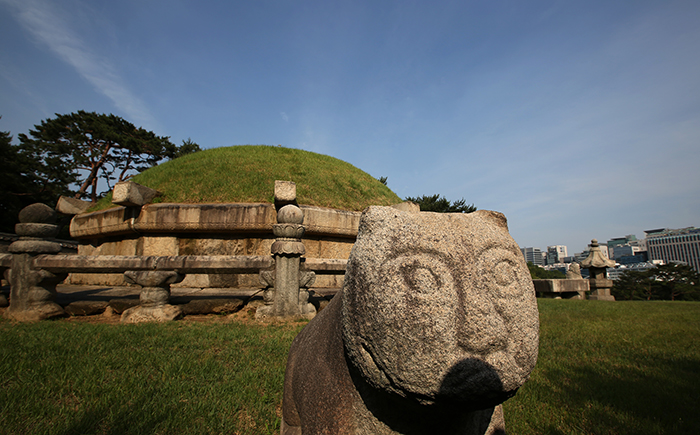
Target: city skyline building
x,y
533,255
556,254
674,246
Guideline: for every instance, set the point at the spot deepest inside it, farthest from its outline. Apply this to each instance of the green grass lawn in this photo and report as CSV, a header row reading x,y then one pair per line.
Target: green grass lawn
x,y
612,368
604,368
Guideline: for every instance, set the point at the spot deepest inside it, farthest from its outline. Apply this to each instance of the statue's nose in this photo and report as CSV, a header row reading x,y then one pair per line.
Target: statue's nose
x,y
480,328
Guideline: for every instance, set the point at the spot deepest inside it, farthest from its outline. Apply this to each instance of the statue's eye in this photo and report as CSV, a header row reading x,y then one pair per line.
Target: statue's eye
x,y
500,272
419,272
420,278
504,273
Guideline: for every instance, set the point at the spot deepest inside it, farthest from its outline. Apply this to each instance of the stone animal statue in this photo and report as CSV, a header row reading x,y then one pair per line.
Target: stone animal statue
x,y
435,327
574,272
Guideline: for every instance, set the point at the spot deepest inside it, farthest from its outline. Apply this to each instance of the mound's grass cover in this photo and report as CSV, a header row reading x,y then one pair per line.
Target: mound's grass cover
x,y
247,173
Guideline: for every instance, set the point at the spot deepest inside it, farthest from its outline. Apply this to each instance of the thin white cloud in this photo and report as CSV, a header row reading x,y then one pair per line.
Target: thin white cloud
x,y
284,116
47,25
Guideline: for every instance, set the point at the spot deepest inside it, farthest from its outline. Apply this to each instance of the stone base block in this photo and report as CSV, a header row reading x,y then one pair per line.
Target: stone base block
x,y
160,313
561,288
86,308
35,313
122,304
212,306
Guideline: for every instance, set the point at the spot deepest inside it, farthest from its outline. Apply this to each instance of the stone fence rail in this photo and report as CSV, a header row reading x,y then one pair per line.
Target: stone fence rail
x,y
35,266
154,271
182,264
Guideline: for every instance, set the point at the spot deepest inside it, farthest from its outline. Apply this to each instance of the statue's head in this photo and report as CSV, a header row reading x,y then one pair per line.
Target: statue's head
x,y
439,307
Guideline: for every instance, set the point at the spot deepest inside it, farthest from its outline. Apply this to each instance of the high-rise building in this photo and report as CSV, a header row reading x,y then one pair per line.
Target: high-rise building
x,y
533,255
556,254
625,246
675,246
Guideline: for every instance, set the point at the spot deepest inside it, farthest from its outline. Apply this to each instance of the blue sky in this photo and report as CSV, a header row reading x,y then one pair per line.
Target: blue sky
x,y
577,119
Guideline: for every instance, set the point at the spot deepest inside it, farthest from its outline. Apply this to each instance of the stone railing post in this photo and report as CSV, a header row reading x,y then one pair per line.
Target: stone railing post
x,y
155,295
597,264
33,291
284,297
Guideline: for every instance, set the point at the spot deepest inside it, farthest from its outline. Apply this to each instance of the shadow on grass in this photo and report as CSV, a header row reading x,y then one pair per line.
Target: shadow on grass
x,y
647,399
139,417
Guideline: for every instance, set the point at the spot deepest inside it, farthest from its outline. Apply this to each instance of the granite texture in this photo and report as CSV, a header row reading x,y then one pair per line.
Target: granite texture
x,y
435,327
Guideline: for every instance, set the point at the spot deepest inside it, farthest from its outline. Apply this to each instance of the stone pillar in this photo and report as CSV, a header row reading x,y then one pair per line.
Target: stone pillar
x,y
284,297
597,264
155,294
33,291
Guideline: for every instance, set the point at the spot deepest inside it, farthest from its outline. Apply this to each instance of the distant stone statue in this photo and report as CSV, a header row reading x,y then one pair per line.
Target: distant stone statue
x,y
574,272
435,327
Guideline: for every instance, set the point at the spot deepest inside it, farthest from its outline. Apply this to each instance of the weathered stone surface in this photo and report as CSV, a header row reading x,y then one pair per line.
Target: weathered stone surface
x,y
436,325
153,300
596,259
574,272
71,206
130,194
285,192
160,246
160,313
32,291
562,288
287,295
153,278
212,306
101,264
152,296
34,247
407,206
122,304
38,213
176,218
286,298
290,214
600,289
205,218
85,308
206,229
321,221
597,266
289,231
44,231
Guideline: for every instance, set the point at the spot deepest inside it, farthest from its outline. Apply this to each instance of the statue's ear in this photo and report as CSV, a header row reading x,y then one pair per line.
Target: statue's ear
x,y
494,217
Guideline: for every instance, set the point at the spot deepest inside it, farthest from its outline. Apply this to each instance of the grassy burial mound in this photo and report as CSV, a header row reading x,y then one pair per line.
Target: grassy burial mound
x,y
247,174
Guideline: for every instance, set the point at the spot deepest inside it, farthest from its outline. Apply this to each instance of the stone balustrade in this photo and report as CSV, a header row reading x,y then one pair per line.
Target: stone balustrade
x,y
34,268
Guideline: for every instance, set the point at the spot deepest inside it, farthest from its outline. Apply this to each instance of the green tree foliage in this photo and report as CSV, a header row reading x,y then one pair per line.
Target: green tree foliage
x,y
536,272
187,147
666,282
90,146
439,204
26,179
632,285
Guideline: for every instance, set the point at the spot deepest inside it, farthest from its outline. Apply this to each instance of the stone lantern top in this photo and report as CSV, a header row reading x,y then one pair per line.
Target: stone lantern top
x,y
595,258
